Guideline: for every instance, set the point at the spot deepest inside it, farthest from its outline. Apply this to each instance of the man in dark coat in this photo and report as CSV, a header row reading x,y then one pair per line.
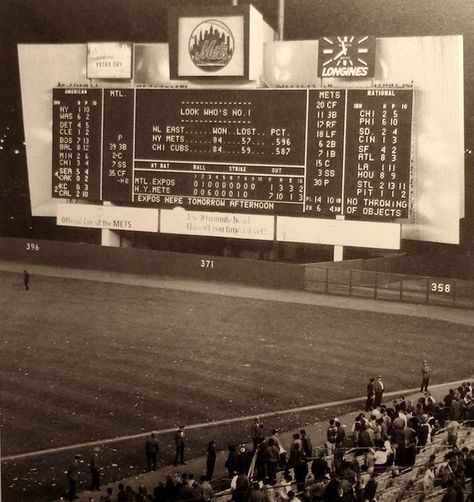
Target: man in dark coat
x,y
72,477
242,485
369,404
306,444
257,433
180,444
320,467
232,462
95,470
210,460
152,448
26,279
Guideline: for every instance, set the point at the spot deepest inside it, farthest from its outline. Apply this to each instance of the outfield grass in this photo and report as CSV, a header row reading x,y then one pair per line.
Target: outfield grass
x,y
86,360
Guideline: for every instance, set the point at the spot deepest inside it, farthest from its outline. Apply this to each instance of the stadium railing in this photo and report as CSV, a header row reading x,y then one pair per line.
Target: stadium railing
x,y
389,286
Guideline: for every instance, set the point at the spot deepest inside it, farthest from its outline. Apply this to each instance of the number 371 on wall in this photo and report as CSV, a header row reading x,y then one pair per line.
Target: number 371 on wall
x,y
441,287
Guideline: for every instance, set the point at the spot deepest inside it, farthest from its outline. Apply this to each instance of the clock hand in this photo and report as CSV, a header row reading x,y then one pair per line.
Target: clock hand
x,y
343,52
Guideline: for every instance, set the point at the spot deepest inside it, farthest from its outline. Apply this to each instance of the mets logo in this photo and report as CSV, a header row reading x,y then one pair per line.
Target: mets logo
x,y
211,45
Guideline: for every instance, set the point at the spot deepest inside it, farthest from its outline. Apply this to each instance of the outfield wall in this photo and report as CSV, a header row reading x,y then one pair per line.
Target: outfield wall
x,y
459,265
151,262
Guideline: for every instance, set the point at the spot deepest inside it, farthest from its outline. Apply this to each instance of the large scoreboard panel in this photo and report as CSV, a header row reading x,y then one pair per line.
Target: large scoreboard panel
x,y
290,152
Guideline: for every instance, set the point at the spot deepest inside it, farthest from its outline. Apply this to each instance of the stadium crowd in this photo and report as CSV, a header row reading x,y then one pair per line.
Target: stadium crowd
x,y
387,438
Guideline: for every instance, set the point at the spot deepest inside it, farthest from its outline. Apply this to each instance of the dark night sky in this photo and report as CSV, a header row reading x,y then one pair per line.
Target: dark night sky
x,y
56,21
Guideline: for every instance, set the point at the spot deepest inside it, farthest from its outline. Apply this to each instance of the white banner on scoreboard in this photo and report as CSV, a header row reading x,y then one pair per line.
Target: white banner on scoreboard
x,y
107,217
339,232
237,226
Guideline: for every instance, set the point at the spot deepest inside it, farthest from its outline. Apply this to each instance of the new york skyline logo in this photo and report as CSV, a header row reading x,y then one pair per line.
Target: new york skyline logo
x,y
211,45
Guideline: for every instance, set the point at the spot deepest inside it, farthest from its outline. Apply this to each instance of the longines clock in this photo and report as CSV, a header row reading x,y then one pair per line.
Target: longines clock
x,y
346,56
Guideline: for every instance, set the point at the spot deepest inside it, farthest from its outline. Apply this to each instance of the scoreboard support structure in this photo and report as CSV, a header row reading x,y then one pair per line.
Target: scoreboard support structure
x,y
110,238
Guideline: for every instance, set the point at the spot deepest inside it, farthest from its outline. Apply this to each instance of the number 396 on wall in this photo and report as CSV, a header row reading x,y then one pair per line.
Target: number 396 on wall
x,y
441,287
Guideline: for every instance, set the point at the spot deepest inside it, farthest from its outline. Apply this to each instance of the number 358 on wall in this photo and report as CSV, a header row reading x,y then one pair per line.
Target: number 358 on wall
x,y
441,287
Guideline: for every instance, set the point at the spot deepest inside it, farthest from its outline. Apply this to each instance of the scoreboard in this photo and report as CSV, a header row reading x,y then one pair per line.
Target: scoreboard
x,y
292,152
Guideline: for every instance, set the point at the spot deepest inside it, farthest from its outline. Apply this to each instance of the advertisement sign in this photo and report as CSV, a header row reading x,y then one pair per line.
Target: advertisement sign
x,y
346,56
377,235
108,217
237,226
210,44
109,60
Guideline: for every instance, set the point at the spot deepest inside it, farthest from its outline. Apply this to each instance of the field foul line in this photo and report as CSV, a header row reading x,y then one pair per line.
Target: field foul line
x,y
226,421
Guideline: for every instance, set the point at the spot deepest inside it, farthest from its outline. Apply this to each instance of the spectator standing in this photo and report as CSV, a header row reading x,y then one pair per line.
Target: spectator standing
x,y
332,492
428,480
331,436
319,467
369,404
159,492
185,491
378,391
452,430
240,488
341,434
179,442
243,459
285,486
424,431
456,408
26,279
130,494
306,444
370,489
255,493
272,457
232,461
122,495
211,459
73,476
260,462
197,490
296,439
152,448
95,470
270,492
468,407
108,496
297,461
366,443
425,376
409,436
256,432
206,488
142,495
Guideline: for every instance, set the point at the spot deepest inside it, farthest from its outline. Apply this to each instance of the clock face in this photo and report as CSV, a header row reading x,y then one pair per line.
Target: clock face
x,y
346,56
